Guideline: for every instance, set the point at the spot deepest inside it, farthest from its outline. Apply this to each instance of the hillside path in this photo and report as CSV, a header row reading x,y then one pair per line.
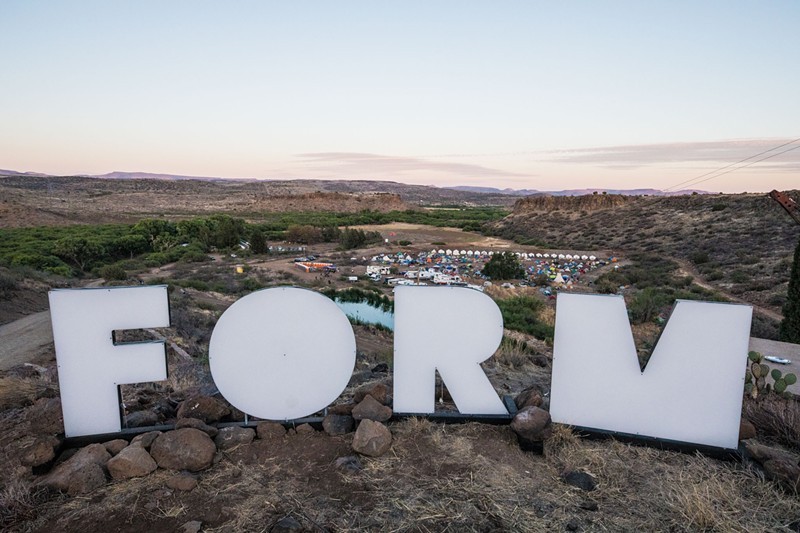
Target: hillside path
x,y
688,269
26,340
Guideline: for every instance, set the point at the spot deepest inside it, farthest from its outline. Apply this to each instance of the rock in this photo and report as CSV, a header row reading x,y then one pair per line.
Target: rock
x,y
133,461
541,360
204,408
573,524
370,409
115,446
145,440
746,429
81,473
42,451
45,416
141,419
270,430
287,523
779,465
341,409
231,437
372,438
532,424
305,428
349,463
380,368
191,527
378,391
184,449
196,423
588,505
338,424
182,482
527,398
581,480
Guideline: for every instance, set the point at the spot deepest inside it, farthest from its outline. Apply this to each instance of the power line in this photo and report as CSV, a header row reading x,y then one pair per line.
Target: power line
x,y
747,165
736,163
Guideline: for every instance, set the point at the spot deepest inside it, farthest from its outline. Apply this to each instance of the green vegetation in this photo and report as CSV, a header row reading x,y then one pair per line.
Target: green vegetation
x,y
521,313
353,294
275,225
657,286
505,265
79,249
755,379
790,326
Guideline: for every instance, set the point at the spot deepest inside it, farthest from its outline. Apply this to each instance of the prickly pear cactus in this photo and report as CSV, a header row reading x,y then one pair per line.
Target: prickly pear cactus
x,y
755,378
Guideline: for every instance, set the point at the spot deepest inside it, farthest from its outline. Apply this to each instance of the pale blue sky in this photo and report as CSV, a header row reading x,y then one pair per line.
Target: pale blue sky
x,y
543,95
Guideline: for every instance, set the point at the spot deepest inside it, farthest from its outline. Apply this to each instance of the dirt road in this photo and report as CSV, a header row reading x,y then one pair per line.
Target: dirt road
x,y
27,340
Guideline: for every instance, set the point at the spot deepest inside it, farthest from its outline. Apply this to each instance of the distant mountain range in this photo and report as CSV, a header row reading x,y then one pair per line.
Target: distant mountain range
x,y
121,175
575,192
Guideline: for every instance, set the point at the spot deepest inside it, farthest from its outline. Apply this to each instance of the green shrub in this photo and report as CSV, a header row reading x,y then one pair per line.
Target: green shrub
x,y
521,313
113,273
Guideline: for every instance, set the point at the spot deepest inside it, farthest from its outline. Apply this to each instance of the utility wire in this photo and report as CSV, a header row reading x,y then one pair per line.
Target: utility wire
x,y
736,163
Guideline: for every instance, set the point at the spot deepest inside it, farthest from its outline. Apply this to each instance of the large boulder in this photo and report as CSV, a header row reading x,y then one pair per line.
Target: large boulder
x,y
81,473
205,408
372,438
184,449
231,437
370,409
133,461
532,424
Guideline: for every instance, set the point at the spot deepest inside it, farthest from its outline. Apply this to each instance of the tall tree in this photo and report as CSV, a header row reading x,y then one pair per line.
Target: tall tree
x,y
790,326
504,265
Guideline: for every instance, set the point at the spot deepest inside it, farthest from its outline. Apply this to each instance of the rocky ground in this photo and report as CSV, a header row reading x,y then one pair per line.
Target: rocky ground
x,y
357,467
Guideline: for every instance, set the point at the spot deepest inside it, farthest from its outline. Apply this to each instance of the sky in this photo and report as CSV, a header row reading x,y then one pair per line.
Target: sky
x,y
521,94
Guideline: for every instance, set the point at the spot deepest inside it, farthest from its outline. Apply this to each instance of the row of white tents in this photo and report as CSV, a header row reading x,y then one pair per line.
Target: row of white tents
x,y
521,255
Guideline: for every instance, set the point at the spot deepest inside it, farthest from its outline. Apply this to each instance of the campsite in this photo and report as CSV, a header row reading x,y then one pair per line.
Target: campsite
x,y
317,475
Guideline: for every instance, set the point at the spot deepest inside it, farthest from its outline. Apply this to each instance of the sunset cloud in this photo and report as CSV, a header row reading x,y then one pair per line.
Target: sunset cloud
x,y
720,152
355,163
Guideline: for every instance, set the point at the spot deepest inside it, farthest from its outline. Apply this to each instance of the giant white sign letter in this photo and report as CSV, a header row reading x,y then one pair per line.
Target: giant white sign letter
x,y
282,353
90,366
690,391
451,330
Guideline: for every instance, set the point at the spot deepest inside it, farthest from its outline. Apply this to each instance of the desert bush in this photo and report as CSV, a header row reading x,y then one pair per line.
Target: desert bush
x,y
739,276
8,284
698,258
521,313
113,273
775,417
646,305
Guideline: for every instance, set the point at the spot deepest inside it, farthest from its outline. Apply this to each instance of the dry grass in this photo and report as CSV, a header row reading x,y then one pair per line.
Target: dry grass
x,y
19,502
776,417
17,392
